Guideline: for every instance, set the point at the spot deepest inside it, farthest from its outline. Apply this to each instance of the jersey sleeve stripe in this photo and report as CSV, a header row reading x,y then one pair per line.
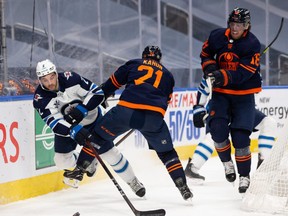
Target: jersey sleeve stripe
x,y
209,62
114,81
225,77
204,54
246,67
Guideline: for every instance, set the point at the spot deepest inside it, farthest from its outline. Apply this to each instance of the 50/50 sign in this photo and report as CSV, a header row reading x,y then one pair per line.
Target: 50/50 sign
x,y
181,125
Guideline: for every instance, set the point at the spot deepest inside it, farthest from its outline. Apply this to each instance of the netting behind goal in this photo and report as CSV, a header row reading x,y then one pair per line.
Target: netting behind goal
x,y
268,190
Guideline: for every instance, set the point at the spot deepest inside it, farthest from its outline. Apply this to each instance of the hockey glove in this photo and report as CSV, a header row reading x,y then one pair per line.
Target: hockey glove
x,y
198,114
76,115
80,134
220,78
209,69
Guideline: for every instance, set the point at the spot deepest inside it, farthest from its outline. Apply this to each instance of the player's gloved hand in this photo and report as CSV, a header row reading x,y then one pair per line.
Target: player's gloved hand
x,y
81,134
220,78
76,115
199,112
209,69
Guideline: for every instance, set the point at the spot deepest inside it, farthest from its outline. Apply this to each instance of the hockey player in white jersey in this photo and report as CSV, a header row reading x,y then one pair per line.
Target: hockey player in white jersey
x,y
264,124
69,104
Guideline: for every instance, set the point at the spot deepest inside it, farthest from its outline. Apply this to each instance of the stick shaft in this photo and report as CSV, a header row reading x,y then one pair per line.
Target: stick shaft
x,y
124,137
111,177
279,30
156,212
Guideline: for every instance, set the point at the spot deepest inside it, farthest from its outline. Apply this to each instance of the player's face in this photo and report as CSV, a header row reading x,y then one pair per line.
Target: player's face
x,y
237,29
50,81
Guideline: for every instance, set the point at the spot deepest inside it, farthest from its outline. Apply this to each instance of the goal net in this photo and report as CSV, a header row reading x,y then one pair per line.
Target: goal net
x,y
268,190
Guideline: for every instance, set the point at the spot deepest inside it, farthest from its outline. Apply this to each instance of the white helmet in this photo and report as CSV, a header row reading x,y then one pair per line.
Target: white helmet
x,y
45,67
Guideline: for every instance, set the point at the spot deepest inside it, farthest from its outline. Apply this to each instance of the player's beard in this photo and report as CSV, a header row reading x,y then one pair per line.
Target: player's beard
x,y
53,87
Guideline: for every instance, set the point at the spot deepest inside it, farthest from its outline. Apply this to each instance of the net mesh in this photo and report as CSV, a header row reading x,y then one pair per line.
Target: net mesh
x,y
268,190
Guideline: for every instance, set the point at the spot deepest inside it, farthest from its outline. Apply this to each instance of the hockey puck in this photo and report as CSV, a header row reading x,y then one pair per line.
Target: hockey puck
x,y
76,214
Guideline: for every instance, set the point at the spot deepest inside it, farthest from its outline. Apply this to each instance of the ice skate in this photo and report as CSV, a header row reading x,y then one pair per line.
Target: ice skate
x,y
73,177
137,187
183,188
229,171
192,172
244,182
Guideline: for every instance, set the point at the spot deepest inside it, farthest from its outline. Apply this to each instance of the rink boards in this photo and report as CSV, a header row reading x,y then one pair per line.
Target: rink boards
x,y
26,143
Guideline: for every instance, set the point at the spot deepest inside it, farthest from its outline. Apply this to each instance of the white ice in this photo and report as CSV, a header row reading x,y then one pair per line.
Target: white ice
x,y
216,197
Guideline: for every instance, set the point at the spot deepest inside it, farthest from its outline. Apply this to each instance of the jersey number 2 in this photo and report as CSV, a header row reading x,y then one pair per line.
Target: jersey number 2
x,y
149,74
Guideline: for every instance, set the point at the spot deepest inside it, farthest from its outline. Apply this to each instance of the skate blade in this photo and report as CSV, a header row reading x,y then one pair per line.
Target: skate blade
x,y
189,201
242,195
74,183
195,181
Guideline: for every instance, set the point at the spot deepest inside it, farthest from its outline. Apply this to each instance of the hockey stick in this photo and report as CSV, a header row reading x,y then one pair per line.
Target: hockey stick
x,y
209,84
156,212
279,30
124,137
75,183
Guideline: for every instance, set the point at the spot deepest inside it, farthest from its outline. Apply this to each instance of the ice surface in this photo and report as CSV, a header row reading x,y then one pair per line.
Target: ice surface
x,y
216,197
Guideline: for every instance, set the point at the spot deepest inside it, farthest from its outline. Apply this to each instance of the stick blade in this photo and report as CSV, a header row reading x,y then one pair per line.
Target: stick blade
x,y
157,212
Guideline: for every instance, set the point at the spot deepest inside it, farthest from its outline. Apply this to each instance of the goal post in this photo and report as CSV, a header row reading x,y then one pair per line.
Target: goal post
x,y
268,190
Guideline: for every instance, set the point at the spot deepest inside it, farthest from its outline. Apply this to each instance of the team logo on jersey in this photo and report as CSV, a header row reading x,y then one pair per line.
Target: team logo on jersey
x,y
67,74
229,61
37,97
56,103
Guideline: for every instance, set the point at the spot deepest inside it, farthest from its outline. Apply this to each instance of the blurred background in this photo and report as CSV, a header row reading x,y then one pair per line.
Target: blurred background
x,y
94,37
